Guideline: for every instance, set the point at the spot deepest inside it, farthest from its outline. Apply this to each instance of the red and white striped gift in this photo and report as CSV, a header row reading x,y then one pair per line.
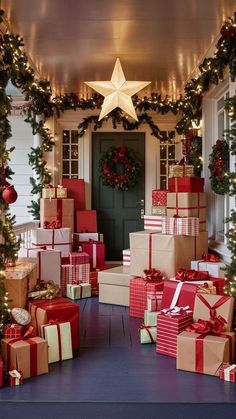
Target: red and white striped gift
x,y
227,372
153,222
126,257
74,274
181,226
138,295
78,258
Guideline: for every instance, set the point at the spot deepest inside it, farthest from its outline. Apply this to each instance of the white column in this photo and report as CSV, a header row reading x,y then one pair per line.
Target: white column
x,y
37,141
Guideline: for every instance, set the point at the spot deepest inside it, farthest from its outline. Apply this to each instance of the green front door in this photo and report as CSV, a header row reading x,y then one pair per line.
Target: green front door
x,y
119,213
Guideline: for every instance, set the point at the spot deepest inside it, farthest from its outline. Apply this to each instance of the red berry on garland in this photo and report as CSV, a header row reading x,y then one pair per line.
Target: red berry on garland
x,y
9,194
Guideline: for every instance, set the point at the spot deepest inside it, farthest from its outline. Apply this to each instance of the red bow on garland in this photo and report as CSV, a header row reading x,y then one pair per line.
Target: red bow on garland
x,y
192,275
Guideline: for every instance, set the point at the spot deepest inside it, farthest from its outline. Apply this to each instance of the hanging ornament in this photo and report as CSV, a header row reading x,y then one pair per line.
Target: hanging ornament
x,y
9,194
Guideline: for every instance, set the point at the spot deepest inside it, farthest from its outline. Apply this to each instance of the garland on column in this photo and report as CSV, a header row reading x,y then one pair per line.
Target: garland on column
x,y
219,167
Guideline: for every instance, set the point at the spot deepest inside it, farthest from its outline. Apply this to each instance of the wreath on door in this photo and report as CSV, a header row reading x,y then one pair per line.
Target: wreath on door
x,y
119,168
219,167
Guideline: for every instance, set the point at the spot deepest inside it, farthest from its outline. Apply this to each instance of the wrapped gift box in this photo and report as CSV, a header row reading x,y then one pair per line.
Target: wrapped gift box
x,y
168,329
154,300
86,221
56,239
148,334
59,310
78,291
58,336
54,192
78,258
114,286
139,288
153,222
1,371
203,353
13,330
86,237
93,279
222,306
15,378
96,252
74,274
227,372
178,293
126,257
177,170
61,210
150,317
158,210
76,191
159,197
191,204
30,356
216,269
48,263
168,253
186,184
19,280
186,226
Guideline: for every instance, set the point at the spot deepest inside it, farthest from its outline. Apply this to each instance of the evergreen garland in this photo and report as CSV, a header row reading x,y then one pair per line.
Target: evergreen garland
x,y
219,167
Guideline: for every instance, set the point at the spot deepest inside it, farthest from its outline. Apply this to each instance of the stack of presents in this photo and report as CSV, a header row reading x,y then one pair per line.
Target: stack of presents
x,y
173,285
61,265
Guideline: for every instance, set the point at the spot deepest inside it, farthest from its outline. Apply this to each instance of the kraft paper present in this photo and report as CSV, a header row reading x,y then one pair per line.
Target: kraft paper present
x,y
148,334
59,209
167,253
204,355
150,317
222,305
187,204
216,269
114,286
29,356
228,372
58,337
20,280
56,239
76,292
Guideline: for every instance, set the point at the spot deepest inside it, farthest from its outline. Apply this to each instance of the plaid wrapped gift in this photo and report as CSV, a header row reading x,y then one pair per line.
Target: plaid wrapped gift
x,y
139,288
153,222
159,197
228,372
13,331
154,300
182,226
74,274
78,258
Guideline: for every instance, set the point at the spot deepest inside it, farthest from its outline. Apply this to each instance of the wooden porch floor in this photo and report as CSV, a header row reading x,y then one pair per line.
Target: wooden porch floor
x,y
113,376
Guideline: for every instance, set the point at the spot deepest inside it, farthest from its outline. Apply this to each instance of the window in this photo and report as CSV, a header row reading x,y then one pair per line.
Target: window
x,y
70,154
167,156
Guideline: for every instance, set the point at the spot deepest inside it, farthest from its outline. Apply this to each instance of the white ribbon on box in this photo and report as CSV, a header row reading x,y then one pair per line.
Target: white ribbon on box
x,y
227,372
17,375
50,333
176,295
94,256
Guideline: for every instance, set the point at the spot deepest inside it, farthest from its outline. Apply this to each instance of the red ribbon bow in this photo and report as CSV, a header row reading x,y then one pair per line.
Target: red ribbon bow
x,y
209,257
153,275
192,275
50,186
208,327
53,225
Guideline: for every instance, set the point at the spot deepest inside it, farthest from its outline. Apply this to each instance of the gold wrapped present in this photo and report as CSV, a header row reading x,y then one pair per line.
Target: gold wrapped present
x,y
51,192
177,170
158,210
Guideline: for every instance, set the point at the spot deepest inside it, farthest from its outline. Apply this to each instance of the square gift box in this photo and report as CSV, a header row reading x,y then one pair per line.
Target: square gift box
x,y
86,221
56,239
154,300
19,280
74,274
177,293
58,336
96,252
216,269
78,291
48,263
228,372
139,289
54,192
187,204
207,306
78,258
186,184
76,191
158,210
159,197
57,210
13,330
148,334
153,222
150,317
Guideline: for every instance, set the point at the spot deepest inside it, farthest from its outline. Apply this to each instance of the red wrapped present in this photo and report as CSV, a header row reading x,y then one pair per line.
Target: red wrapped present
x,y
186,184
74,274
183,226
76,191
178,293
170,323
159,197
86,221
154,300
58,309
13,331
78,258
228,372
15,378
96,252
1,371
94,282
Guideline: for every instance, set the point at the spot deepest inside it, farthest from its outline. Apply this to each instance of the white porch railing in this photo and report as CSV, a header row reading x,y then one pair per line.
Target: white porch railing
x,y
24,232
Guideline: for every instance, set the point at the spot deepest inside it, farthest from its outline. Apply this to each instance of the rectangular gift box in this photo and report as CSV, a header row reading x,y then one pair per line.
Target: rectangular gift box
x,y
150,317
58,336
74,274
168,329
1,371
216,269
56,239
114,286
86,221
19,280
154,300
177,170
93,280
167,253
153,222
78,291
189,204
48,263
203,353
15,378
96,252
139,289
186,226
148,334
13,331
86,237
227,372
76,191
60,310
58,209
126,257
177,293
159,197
186,184
222,306
78,258
158,210
30,356
54,192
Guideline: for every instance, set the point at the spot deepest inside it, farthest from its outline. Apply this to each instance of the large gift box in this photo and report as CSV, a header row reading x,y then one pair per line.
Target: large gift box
x,y
114,286
168,328
148,334
139,289
19,280
177,293
28,355
57,239
48,263
153,222
168,253
54,192
178,170
207,307
78,258
58,336
96,252
1,371
150,317
76,191
203,353
74,274
186,184
191,204
86,221
159,197
228,372
186,226
211,264
57,210
58,309
126,257
78,291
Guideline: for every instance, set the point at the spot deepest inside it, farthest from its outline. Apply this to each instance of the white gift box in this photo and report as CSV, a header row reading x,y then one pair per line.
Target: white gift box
x,y
48,263
78,291
148,334
150,317
59,341
126,257
56,239
85,237
153,222
216,269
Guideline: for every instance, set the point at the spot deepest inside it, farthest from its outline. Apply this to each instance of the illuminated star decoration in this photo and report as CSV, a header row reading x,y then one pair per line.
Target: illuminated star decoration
x,y
117,92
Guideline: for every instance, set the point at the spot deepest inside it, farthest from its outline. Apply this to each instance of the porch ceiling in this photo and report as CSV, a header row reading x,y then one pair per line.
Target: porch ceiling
x,y
74,41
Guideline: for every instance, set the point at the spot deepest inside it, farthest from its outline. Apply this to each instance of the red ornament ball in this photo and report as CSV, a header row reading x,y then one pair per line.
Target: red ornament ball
x,y
9,194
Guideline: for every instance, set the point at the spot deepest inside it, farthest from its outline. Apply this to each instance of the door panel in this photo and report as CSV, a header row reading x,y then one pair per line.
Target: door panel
x,y
119,213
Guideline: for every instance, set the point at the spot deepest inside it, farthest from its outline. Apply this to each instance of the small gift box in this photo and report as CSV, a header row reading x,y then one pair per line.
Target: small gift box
x,y
96,252
178,170
183,226
154,300
148,334
1,371
54,192
153,222
228,372
78,258
208,306
13,331
150,317
58,210
186,184
126,257
190,204
58,336
159,197
78,291
158,210
210,263
74,274
15,378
